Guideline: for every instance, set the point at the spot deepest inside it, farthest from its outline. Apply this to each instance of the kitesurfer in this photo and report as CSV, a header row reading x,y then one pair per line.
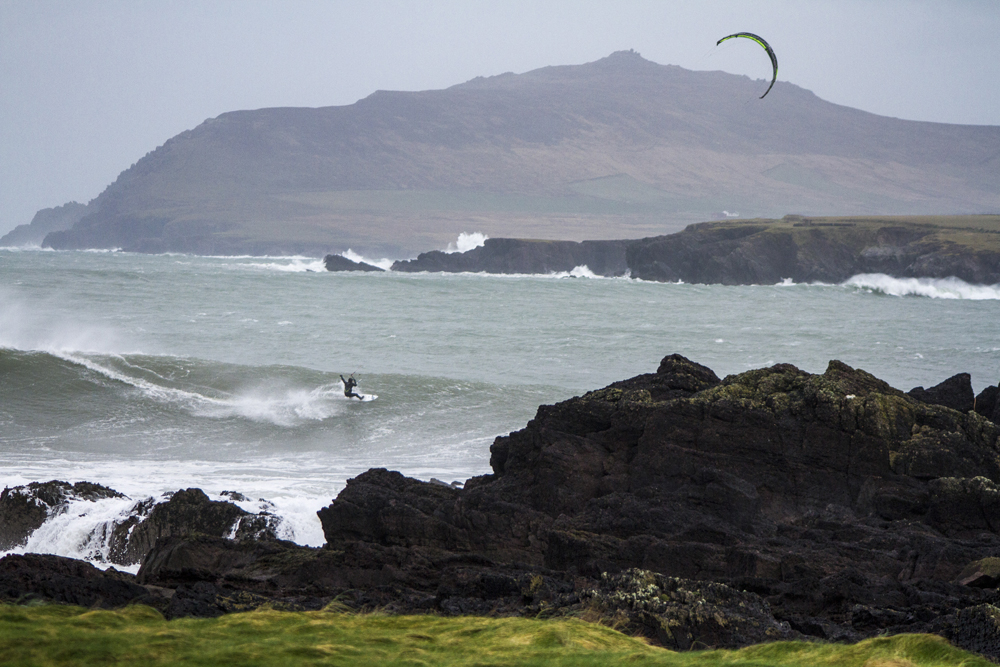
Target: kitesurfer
x,y
349,385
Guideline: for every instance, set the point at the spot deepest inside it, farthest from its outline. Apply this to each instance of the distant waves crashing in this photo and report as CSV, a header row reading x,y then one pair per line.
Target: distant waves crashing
x,y
934,288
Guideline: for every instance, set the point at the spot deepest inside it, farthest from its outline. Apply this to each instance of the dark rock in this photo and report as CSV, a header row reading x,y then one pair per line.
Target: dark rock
x,y
683,615
341,263
23,509
975,629
57,579
955,393
603,258
988,403
835,497
187,512
983,573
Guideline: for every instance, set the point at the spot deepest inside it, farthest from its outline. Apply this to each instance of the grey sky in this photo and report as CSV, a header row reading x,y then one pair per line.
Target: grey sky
x,y
87,87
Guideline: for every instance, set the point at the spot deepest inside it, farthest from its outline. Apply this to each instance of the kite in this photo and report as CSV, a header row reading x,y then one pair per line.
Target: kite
x,y
767,47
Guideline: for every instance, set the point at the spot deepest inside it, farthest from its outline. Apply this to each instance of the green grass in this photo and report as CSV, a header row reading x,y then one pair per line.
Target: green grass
x,y
64,635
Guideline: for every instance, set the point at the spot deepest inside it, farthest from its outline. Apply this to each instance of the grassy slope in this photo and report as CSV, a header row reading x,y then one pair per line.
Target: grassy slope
x,y
64,635
972,232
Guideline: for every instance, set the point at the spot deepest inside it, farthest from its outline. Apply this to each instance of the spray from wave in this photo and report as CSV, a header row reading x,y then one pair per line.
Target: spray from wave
x,y
383,263
467,242
36,326
934,288
582,271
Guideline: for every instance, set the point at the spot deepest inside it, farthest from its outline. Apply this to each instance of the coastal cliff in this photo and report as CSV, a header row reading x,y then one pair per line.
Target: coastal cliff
x,y
698,511
749,252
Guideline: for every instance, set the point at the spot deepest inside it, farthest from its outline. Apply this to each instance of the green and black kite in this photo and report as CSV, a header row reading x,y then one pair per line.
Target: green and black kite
x,y
767,47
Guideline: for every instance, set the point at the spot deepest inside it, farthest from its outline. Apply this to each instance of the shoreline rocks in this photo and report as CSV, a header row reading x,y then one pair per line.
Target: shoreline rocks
x,y
698,511
24,509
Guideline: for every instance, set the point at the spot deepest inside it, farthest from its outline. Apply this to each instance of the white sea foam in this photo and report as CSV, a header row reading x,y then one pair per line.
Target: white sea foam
x,y
582,271
292,489
934,288
291,265
467,242
355,257
82,529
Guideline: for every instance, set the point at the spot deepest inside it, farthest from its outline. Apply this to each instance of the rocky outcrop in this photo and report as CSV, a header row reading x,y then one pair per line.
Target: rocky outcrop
x,y
341,263
835,498
603,258
955,393
988,403
187,512
23,509
28,577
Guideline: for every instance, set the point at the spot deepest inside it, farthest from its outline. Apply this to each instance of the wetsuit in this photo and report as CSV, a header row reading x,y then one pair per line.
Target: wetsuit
x,y
349,385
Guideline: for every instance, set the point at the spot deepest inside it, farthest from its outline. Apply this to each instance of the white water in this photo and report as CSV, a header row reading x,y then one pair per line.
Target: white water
x,y
934,288
467,242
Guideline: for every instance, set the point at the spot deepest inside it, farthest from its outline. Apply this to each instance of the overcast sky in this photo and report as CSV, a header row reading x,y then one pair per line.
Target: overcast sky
x,y
87,87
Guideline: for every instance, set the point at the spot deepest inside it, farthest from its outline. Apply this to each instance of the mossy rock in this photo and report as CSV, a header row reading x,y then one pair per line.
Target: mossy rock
x,y
982,573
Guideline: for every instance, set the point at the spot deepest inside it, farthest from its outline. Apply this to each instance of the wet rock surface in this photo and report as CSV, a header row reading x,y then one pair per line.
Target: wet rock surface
x,y
187,512
500,255
24,509
697,511
341,263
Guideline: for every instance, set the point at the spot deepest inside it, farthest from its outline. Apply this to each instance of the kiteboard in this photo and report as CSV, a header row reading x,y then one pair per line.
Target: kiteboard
x,y
368,397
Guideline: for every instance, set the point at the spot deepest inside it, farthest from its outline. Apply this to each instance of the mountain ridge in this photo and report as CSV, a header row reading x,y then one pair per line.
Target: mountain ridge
x,y
617,148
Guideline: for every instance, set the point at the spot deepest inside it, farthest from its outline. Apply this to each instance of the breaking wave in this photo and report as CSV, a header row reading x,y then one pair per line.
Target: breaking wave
x,y
292,265
282,396
934,288
355,257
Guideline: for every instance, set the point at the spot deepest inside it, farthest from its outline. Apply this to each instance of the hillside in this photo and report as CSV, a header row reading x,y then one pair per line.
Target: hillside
x,y
617,148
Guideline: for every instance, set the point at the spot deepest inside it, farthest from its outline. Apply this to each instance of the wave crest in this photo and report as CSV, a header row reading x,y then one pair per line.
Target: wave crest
x,y
934,288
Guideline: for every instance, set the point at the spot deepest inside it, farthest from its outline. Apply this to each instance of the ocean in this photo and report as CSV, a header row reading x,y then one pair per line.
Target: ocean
x,y
153,373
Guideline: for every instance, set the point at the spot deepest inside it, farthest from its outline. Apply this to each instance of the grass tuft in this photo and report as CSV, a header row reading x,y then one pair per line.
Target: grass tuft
x,y
63,635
